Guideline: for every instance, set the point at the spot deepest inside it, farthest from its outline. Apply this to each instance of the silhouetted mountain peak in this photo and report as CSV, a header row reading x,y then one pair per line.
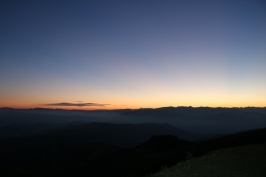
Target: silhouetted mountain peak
x,y
6,109
163,143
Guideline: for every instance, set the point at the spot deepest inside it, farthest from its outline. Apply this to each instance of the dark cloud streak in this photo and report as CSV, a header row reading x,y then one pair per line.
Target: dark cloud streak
x,y
75,104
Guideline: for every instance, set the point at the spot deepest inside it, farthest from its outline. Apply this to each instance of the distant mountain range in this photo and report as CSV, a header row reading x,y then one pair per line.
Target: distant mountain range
x,y
201,120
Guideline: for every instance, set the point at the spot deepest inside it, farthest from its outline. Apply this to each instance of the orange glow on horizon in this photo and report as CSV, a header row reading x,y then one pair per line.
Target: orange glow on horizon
x,y
110,107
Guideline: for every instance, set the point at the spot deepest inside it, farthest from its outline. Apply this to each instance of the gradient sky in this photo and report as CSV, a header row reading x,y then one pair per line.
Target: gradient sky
x,y
84,54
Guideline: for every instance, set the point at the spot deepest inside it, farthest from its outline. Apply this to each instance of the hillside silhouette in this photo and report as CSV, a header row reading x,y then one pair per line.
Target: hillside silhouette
x,y
49,156
32,143
162,143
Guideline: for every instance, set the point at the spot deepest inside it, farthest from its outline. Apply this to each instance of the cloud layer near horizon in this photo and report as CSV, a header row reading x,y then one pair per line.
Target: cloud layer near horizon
x,y
75,104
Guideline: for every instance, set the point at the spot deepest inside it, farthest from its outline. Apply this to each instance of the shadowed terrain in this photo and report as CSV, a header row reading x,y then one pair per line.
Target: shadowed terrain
x,y
83,148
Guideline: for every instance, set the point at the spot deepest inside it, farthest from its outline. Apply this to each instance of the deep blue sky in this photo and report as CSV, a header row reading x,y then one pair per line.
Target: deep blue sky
x,y
132,53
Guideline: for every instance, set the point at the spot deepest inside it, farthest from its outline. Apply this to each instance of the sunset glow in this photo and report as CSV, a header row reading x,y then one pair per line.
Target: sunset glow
x,y
134,54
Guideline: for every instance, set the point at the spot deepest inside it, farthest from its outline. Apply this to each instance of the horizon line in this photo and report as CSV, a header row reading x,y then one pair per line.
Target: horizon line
x,y
235,107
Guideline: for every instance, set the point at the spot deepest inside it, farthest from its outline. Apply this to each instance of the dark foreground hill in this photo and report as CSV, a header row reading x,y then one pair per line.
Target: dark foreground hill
x,y
248,161
50,156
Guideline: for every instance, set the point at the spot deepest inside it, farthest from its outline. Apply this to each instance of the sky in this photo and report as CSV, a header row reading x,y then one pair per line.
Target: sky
x,y
86,54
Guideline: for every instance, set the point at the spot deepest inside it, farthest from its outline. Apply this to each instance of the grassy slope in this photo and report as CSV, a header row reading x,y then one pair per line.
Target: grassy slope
x,y
245,161
51,156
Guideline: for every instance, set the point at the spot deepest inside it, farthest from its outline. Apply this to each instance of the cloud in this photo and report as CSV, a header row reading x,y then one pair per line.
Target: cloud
x,y
75,104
